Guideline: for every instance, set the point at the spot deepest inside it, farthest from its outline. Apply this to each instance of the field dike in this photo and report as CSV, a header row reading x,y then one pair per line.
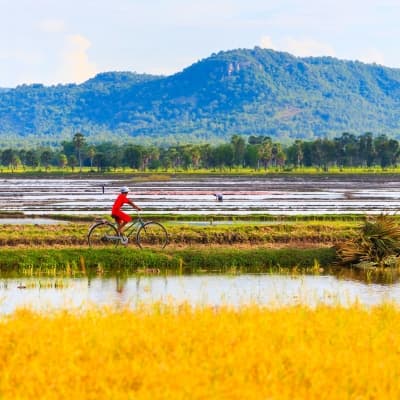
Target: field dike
x,y
275,233
69,260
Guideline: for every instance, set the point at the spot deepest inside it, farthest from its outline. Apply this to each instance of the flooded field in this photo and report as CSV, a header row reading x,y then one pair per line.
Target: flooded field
x,y
59,293
241,195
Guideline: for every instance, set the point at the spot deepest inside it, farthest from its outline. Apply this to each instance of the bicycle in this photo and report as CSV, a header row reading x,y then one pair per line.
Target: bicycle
x,y
148,234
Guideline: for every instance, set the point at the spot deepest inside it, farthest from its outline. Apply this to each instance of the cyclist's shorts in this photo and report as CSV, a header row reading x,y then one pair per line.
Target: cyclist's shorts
x,y
121,216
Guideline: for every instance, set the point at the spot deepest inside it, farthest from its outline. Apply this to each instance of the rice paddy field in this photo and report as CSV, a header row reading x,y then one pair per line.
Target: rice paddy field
x,y
182,194
246,301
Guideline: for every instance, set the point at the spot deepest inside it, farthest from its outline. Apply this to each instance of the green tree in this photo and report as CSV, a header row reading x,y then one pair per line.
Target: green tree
x,y
278,155
91,154
78,141
265,151
22,157
133,156
45,158
15,161
100,161
72,161
367,149
165,159
239,148
223,156
32,158
62,160
298,152
251,156
6,157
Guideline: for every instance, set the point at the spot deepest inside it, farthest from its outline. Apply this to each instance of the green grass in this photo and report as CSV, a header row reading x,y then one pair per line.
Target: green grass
x,y
244,246
136,175
70,261
210,218
312,232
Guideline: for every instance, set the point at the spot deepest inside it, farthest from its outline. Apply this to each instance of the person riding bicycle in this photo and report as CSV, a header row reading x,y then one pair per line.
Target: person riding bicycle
x,y
120,217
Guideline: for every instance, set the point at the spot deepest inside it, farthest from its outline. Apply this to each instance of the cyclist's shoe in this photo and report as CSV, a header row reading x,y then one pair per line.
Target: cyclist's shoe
x,y
124,240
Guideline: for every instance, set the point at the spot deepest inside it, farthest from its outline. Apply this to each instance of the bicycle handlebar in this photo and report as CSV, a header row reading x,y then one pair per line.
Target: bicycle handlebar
x,y
138,213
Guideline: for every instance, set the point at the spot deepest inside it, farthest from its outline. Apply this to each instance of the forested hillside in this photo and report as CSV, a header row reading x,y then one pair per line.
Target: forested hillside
x,y
246,92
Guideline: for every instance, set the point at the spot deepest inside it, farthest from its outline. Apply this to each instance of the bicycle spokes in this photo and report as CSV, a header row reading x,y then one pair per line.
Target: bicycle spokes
x,y
103,234
152,235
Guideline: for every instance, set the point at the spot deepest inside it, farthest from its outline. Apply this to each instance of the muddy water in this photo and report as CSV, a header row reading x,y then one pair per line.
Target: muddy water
x,y
264,289
241,195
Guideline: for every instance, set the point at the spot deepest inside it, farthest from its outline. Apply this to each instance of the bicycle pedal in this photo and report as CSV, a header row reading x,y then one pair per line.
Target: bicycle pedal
x,y
124,240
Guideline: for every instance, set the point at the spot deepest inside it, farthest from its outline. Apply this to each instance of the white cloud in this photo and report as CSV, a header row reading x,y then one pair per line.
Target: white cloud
x,y
314,48
52,25
372,56
76,64
266,43
299,47
308,47
29,58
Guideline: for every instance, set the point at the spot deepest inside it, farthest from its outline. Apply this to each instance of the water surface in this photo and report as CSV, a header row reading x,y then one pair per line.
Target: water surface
x,y
47,294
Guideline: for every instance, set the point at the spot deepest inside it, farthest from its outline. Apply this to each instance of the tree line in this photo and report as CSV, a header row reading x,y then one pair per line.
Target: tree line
x,y
254,152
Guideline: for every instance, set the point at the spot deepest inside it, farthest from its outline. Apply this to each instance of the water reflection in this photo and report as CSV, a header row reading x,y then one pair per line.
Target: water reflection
x,y
380,276
131,291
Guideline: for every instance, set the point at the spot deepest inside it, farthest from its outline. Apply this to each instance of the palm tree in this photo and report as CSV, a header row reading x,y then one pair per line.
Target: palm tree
x,y
239,147
79,141
91,154
62,160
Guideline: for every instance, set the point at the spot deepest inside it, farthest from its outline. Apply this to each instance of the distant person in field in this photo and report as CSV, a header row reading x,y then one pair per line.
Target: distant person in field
x,y
120,217
219,196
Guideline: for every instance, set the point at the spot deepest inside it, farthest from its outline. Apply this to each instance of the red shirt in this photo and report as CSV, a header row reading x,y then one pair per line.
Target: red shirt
x,y
119,202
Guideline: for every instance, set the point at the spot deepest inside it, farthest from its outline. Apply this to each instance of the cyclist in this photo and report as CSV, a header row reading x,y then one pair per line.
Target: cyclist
x,y
120,217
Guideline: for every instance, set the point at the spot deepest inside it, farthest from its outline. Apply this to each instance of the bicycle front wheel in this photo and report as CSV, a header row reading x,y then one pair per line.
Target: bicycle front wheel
x,y
103,235
152,235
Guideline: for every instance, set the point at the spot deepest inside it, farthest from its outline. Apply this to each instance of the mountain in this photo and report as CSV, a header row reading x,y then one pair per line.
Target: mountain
x,y
247,92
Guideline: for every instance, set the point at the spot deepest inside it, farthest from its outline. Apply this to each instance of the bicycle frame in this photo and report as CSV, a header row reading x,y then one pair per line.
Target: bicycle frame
x,y
133,226
130,228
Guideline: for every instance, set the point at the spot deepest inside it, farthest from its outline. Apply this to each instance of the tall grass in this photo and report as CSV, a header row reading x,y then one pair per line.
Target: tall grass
x,y
70,261
166,352
161,173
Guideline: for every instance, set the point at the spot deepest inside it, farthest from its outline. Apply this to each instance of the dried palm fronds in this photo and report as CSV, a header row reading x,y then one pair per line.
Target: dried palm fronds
x,y
377,241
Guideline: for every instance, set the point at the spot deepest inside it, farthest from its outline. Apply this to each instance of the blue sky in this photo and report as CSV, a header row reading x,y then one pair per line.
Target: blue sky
x,y
69,41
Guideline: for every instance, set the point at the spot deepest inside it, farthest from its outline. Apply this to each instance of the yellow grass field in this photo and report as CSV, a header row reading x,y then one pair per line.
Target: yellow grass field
x,y
166,352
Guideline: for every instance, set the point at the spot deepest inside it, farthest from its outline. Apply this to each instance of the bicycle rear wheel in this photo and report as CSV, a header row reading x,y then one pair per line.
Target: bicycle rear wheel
x,y
103,235
152,235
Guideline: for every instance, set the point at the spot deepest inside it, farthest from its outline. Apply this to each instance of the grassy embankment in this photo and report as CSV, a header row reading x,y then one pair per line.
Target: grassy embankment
x,y
275,232
165,352
246,245
100,261
165,174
